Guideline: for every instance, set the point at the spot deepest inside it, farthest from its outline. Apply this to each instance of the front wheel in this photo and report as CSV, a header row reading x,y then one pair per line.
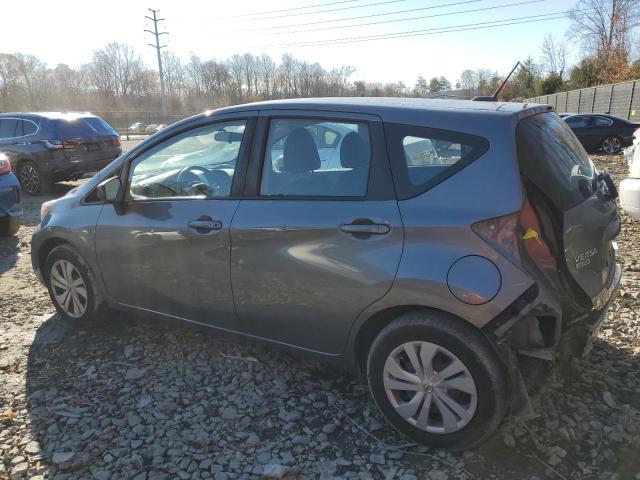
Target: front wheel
x,y
72,286
611,145
33,179
437,380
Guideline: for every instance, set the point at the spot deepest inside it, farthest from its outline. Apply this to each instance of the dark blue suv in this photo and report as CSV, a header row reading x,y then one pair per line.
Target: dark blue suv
x,y
10,204
44,148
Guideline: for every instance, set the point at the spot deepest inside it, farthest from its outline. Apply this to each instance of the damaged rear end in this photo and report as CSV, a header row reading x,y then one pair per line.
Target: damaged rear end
x,y
564,238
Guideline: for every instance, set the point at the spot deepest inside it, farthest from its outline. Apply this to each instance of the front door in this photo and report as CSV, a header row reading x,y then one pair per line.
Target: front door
x,y
166,250
314,241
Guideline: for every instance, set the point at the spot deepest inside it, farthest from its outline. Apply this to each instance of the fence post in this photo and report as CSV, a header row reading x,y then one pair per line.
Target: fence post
x,y
633,89
593,104
610,100
566,101
579,99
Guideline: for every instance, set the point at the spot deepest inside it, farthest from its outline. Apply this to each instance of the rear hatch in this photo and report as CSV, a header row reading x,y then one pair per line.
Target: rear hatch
x,y
85,138
562,181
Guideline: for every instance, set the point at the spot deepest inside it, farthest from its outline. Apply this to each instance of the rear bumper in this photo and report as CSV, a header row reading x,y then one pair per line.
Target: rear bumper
x,y
630,196
79,168
10,203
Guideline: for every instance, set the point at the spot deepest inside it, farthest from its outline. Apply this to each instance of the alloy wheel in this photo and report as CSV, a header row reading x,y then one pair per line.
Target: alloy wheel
x,y
69,288
611,145
29,178
430,387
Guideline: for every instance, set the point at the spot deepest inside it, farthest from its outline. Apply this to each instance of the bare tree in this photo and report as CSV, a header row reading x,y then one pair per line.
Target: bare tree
x,y
554,55
606,26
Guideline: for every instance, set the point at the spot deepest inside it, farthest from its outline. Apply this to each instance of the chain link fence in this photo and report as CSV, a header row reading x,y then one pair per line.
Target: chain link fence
x,y
122,120
619,99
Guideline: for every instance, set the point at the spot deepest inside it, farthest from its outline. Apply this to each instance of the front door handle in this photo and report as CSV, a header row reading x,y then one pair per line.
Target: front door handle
x,y
205,225
365,228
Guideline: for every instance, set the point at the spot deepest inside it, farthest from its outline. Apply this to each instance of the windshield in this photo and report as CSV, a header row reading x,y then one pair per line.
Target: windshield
x,y
553,159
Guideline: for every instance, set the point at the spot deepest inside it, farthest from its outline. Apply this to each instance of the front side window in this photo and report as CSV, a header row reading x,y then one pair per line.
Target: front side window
x,y
422,157
198,163
602,122
319,158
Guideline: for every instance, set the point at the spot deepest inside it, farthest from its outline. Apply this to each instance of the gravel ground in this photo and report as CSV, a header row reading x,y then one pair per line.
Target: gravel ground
x,y
146,399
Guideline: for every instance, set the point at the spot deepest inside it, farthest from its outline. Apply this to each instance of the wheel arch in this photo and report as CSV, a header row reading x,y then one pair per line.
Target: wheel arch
x,y
46,248
369,329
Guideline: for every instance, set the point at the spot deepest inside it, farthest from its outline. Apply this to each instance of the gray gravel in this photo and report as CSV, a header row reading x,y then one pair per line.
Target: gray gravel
x,y
146,399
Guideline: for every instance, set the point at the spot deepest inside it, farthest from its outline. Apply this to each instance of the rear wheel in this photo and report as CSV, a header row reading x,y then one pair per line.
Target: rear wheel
x,y
72,286
611,145
9,226
437,381
33,179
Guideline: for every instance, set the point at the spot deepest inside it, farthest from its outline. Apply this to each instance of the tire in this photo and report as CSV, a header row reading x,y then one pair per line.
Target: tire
x,y
72,307
611,145
33,179
447,339
9,226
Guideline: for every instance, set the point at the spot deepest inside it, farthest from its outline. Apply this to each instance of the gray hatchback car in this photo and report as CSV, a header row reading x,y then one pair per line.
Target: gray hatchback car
x,y
446,250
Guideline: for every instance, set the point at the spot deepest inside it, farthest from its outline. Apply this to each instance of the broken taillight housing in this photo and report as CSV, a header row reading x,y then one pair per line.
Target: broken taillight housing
x,y
501,233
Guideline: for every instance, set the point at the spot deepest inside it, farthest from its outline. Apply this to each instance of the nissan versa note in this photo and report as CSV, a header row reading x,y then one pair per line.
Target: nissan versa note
x,y
441,248
45,148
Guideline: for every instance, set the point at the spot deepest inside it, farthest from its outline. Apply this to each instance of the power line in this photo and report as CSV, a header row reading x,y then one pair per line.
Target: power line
x,y
386,2
431,31
286,9
495,7
360,17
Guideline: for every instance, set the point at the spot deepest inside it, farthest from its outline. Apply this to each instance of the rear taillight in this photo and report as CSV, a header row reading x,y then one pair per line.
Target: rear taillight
x,y
116,140
5,166
532,240
56,144
501,233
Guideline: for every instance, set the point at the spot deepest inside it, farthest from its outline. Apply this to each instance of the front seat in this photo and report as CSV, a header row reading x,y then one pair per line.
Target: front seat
x,y
354,154
300,159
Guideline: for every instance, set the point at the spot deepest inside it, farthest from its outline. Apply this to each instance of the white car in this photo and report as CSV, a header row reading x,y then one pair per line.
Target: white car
x,y
630,187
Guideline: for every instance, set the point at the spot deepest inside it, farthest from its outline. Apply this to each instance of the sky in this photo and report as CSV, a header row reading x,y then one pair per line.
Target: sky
x,y
69,31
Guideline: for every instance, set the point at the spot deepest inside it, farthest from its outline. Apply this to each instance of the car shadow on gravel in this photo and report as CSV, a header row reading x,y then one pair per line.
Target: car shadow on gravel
x,y
9,253
160,399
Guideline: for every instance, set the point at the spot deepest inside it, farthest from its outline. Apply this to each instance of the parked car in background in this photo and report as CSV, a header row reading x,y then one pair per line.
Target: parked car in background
x,y
45,148
441,244
136,127
630,187
10,201
597,131
150,128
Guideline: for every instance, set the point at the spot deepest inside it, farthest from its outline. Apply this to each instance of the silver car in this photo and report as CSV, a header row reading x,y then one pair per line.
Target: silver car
x,y
442,249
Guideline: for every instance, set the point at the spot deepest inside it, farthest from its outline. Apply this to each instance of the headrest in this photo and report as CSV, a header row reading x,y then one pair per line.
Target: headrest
x,y
300,153
354,152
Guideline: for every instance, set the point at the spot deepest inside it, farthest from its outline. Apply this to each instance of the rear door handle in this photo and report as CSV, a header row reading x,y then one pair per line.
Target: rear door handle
x,y
203,226
365,228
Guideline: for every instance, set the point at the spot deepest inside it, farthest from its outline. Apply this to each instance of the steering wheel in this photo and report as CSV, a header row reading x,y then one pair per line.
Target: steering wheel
x,y
198,180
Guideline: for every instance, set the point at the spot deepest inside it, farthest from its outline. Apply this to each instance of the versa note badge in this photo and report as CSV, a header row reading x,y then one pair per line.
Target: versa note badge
x,y
584,259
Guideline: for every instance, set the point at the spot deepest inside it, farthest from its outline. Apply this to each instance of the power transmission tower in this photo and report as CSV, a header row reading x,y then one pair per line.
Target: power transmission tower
x,y
158,47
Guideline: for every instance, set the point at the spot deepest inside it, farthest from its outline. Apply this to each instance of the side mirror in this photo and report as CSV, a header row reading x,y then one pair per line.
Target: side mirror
x,y
111,190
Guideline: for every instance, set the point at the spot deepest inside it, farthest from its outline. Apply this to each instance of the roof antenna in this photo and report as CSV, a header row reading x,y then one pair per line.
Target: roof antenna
x,y
494,97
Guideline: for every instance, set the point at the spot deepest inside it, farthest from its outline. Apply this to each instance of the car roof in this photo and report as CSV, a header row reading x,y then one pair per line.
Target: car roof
x,y
383,105
49,115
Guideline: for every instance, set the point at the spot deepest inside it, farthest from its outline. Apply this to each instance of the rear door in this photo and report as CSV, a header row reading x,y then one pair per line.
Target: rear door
x,y
314,242
554,161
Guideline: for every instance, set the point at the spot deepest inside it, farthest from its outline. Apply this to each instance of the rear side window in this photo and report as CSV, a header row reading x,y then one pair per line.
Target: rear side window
x,y
602,122
423,157
29,128
552,158
8,127
316,158
81,127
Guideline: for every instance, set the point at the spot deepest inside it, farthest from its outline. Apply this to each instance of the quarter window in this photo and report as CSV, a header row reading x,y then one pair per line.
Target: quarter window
x,y
29,127
199,163
423,157
602,122
319,158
